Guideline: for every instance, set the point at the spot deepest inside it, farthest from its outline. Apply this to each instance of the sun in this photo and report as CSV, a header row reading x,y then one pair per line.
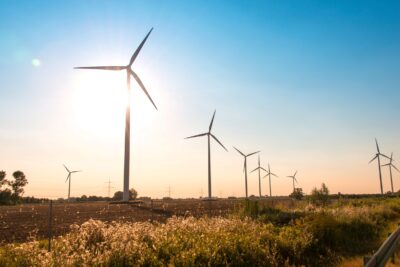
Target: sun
x,y
99,101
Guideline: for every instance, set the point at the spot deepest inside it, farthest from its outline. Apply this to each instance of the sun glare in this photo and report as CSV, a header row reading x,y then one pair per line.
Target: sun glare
x,y
99,102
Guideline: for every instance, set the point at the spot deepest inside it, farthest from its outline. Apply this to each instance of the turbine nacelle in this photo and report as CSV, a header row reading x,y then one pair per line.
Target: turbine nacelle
x,y
208,133
128,68
269,173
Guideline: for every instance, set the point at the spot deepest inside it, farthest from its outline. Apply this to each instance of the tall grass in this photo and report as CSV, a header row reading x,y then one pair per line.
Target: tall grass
x,y
258,235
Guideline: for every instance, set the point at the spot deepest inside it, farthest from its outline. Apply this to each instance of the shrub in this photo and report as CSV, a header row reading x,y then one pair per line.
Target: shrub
x,y
297,194
320,196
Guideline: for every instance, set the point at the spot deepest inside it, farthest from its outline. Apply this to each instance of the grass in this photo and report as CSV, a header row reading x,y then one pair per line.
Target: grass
x,y
257,234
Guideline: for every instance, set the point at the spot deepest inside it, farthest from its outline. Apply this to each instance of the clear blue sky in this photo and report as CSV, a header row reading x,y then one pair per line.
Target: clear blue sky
x,y
310,83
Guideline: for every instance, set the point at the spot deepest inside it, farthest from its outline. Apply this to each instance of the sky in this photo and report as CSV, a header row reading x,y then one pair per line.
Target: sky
x,y
309,83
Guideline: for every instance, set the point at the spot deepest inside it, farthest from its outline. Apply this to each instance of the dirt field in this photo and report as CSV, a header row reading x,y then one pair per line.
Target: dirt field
x,y
18,223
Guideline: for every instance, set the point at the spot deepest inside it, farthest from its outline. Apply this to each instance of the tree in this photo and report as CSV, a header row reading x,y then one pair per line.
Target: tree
x,y
17,185
320,196
297,194
132,195
5,193
3,180
117,195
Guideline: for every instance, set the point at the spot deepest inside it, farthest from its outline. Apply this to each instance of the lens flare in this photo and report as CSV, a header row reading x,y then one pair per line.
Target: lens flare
x,y
36,62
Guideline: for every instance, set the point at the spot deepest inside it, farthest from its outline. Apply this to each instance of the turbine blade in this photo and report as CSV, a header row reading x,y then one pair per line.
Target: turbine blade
x,y
266,175
248,155
395,168
296,181
274,174
383,155
386,164
215,138
139,48
263,169
66,168
197,135
373,159
255,169
69,175
143,88
377,146
212,120
76,171
295,174
102,68
244,165
239,152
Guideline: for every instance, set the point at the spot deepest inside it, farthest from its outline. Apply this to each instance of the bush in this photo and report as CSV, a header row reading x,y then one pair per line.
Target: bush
x,y
320,196
119,194
297,194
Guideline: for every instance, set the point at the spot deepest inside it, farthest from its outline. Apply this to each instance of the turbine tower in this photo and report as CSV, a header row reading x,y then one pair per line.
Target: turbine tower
x,y
377,156
390,164
245,166
294,179
209,135
129,73
69,179
269,173
259,168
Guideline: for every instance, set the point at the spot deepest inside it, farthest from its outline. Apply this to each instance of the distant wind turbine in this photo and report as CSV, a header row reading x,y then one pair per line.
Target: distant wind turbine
x,y
269,173
293,177
390,164
259,168
245,165
69,179
129,73
377,156
209,135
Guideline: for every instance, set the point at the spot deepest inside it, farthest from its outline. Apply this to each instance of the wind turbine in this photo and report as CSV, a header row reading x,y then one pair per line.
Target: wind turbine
x,y
390,164
269,173
259,168
69,178
245,165
129,73
294,179
377,156
209,135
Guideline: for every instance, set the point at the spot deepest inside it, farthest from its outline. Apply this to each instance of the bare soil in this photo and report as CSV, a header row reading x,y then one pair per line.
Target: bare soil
x,y
19,223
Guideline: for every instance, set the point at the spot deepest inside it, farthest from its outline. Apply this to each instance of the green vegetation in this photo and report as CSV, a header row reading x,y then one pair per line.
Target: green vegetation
x,y
258,234
320,196
297,194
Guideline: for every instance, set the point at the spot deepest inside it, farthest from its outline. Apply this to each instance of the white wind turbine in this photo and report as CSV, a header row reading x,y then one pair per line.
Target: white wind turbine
x,y
377,156
259,168
245,166
269,173
129,73
209,135
390,165
69,179
293,177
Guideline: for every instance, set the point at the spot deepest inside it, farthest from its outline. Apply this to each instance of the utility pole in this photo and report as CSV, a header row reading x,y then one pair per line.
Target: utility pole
x,y
169,191
109,187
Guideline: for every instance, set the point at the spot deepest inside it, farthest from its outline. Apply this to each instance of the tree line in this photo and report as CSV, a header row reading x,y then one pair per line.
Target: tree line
x,y
12,190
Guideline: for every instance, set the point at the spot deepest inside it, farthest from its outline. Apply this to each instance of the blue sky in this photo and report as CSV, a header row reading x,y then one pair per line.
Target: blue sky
x,y
310,83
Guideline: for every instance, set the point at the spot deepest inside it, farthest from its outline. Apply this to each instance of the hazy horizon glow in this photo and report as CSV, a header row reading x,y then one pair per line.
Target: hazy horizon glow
x,y
310,84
